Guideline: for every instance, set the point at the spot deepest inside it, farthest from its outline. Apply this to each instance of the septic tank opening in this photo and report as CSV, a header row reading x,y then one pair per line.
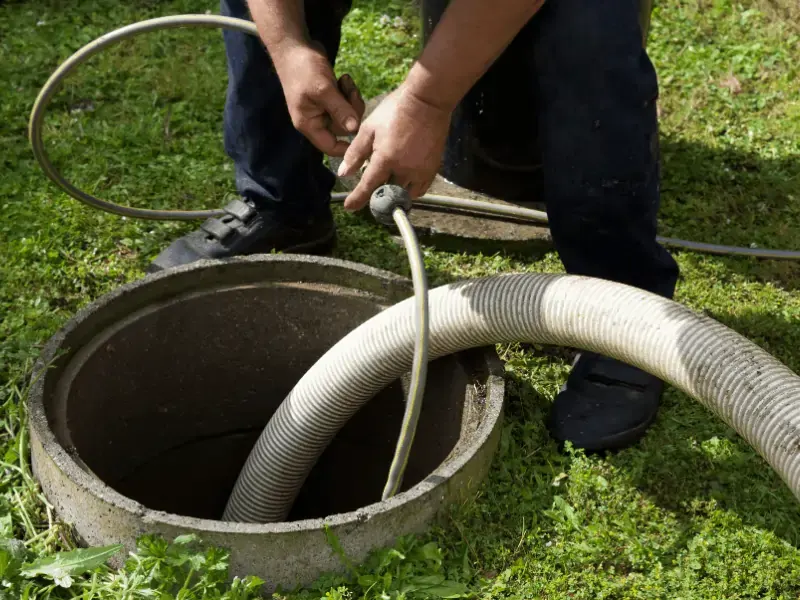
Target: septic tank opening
x,y
166,405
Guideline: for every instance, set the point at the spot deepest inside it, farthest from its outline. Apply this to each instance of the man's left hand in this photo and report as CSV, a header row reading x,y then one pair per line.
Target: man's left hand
x,y
403,140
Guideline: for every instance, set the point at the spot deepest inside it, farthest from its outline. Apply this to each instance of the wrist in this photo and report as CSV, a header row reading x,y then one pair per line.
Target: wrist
x,y
294,61
286,49
425,87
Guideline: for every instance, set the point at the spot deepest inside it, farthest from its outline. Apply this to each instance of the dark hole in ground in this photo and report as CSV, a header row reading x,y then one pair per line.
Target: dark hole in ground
x,y
167,408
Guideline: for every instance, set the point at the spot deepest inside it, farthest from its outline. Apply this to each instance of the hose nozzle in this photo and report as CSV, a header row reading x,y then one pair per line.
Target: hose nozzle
x,y
385,199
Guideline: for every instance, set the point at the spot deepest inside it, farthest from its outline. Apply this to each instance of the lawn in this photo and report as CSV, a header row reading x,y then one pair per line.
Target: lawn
x,y
690,512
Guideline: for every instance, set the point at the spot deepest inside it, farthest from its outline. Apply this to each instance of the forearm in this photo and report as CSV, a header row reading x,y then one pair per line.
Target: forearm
x,y
281,24
468,38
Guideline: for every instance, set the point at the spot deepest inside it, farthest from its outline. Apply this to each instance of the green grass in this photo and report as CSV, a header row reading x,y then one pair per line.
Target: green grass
x,y
691,512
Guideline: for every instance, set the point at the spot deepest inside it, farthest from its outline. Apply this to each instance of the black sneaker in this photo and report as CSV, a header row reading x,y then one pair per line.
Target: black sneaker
x,y
247,230
605,404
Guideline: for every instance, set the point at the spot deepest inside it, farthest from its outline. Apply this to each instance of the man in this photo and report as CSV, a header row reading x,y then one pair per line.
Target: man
x,y
596,93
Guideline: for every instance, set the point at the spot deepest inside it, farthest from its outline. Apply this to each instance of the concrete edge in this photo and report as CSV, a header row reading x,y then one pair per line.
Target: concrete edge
x,y
71,470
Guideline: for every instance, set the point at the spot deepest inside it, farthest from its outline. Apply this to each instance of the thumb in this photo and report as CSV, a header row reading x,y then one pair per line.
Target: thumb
x,y
340,110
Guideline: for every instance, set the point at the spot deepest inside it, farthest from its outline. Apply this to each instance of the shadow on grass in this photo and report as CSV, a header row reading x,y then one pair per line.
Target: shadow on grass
x,y
726,196
519,489
691,462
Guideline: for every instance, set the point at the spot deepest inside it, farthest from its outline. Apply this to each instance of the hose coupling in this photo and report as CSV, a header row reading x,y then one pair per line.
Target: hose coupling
x,y
385,200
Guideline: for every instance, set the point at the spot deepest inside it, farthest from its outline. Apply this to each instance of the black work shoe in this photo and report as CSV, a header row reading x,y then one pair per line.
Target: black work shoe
x,y
247,230
605,404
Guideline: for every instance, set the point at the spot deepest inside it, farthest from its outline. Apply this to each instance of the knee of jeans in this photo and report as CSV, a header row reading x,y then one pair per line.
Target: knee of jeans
x,y
574,29
588,42
235,8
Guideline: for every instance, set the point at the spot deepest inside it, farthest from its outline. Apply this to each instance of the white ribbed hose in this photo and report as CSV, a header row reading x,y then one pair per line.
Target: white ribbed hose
x,y
746,387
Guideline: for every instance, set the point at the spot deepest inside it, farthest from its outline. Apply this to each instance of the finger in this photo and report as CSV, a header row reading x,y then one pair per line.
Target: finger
x,y
360,150
351,92
401,179
324,140
339,109
376,174
357,102
418,190
346,85
338,131
339,149
348,89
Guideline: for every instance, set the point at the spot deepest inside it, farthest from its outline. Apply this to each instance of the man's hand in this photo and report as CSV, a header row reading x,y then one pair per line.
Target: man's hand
x,y
320,107
403,139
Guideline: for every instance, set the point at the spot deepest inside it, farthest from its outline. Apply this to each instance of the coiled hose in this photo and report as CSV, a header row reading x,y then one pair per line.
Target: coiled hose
x,y
36,123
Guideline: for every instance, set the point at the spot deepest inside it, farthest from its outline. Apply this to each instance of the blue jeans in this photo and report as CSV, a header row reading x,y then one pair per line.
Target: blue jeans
x,y
276,167
595,91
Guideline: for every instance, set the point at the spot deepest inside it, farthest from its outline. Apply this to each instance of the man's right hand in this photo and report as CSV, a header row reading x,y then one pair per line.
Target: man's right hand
x,y
320,107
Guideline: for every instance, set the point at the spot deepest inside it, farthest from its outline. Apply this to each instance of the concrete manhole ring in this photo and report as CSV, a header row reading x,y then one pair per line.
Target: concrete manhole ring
x,y
146,403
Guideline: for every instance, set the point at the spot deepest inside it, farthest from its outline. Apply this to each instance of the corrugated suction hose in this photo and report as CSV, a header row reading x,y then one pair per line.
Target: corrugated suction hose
x,y
746,387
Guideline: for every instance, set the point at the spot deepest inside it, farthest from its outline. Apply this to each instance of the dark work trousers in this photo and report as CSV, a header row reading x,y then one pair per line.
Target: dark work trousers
x,y
275,165
595,90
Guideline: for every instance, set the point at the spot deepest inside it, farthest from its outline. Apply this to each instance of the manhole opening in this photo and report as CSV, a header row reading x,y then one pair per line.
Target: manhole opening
x,y
166,408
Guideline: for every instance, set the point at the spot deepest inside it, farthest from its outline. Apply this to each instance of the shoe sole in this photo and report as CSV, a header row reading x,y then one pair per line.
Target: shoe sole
x,y
618,441
319,246
322,245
